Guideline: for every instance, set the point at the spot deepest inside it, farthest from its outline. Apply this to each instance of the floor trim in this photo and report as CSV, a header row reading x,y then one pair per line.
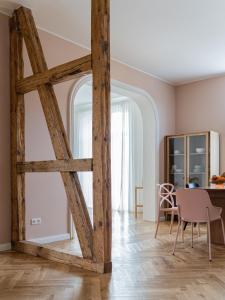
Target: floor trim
x,y
5,247
51,238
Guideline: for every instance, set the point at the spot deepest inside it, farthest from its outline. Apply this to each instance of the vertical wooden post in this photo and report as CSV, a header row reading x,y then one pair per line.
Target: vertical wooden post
x,y
101,133
17,134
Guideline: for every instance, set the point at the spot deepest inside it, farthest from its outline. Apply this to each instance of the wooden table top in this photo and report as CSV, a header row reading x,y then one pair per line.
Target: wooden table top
x,y
214,188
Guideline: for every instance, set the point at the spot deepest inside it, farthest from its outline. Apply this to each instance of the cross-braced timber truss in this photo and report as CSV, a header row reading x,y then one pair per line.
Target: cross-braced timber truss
x,y
95,241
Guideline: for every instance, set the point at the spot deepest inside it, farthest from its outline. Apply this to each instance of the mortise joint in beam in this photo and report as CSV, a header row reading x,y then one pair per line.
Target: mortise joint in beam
x,y
61,73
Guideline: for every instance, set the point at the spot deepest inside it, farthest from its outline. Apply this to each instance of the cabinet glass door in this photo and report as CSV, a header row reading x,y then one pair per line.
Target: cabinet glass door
x,y
176,162
198,160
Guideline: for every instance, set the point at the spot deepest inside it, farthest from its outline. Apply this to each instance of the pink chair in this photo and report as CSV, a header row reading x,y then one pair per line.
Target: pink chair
x,y
194,206
166,194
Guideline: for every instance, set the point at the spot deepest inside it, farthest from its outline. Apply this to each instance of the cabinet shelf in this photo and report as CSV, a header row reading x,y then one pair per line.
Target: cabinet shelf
x,y
197,173
176,173
195,153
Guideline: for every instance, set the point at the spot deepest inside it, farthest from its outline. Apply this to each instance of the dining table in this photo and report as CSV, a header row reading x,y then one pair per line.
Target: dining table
x,y
217,197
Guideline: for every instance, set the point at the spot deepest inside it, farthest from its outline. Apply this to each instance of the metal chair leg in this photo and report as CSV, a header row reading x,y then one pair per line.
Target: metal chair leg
x,y
157,226
182,230
135,202
175,242
198,225
171,222
222,224
209,235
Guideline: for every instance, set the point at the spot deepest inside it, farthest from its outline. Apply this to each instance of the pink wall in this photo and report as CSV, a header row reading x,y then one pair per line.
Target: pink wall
x,y
4,133
45,195
200,106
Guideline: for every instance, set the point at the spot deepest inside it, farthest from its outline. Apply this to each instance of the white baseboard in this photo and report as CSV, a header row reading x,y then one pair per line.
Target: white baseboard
x,y
5,247
51,238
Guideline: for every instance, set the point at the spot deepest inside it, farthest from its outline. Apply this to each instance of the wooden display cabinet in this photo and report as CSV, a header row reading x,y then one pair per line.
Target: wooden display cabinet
x,y
191,158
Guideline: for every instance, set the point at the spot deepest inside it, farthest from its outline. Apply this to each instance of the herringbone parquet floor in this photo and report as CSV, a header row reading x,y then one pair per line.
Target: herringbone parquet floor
x,y
143,268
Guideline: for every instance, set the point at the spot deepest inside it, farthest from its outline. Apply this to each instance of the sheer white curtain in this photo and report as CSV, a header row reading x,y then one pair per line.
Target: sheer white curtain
x,y
126,151
83,146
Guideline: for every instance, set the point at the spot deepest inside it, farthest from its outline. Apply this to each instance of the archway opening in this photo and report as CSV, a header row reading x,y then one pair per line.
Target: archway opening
x,y
134,150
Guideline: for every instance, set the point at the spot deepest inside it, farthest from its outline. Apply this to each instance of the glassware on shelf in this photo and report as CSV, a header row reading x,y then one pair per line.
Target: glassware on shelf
x,y
177,152
200,150
197,169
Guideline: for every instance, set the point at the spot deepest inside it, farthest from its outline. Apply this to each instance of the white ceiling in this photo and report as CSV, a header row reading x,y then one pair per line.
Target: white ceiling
x,y
176,40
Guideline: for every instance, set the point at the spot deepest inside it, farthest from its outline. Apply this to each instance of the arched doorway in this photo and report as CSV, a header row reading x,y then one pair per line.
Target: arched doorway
x,y
150,141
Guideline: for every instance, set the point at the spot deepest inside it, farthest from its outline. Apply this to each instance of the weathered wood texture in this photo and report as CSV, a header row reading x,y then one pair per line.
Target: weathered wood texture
x,y
57,132
69,165
64,72
100,46
95,244
17,134
59,256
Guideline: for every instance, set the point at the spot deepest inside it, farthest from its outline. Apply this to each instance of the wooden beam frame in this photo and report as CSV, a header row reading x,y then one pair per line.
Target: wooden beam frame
x,y
57,132
73,69
70,165
95,242
59,256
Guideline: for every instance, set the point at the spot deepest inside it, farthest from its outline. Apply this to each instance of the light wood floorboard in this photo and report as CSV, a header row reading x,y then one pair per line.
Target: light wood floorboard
x,y
143,268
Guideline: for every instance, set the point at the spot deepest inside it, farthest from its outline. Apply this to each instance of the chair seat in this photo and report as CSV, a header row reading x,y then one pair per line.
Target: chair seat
x,y
215,215
168,209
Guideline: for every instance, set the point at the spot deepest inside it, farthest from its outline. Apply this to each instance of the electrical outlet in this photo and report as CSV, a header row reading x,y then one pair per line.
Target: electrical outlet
x,y
35,221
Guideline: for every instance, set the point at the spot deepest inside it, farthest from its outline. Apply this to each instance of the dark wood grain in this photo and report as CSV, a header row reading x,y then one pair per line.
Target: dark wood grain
x,y
17,114
100,47
57,132
95,244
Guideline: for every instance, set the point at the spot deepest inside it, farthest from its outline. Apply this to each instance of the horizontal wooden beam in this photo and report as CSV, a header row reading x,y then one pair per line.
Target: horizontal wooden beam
x,y
60,256
61,73
67,165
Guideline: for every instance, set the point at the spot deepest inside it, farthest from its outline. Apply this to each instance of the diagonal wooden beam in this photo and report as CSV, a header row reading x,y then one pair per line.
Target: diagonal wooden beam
x,y
64,257
61,73
60,165
17,113
57,132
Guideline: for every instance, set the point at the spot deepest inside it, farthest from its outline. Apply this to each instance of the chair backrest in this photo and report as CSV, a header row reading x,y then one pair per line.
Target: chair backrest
x,y
165,194
193,204
192,185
